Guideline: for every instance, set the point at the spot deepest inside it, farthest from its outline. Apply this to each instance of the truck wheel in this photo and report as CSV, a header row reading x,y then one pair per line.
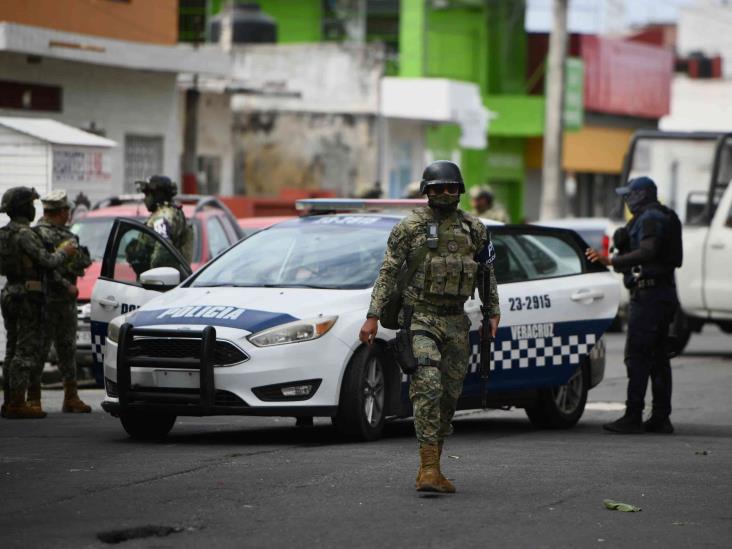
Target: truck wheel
x,y
147,426
678,334
363,395
561,407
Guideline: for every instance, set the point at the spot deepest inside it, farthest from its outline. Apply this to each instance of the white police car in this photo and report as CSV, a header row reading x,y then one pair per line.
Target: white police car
x,y
270,327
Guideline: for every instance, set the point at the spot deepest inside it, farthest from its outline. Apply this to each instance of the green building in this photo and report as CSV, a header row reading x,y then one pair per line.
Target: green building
x,y
477,41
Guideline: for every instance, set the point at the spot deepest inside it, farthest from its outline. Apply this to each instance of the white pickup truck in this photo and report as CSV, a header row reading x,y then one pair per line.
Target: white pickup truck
x,y
693,171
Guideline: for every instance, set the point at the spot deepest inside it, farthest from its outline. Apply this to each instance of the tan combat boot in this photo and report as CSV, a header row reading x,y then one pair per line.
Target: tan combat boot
x,y
447,486
72,403
429,477
17,408
34,397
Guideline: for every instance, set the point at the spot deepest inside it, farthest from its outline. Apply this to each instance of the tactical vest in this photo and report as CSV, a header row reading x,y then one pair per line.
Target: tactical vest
x,y
14,264
449,270
9,253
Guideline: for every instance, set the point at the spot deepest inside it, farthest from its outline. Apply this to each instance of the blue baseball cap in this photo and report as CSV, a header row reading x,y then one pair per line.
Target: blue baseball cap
x,y
643,183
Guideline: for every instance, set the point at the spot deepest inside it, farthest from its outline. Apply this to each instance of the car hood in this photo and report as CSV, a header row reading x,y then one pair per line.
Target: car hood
x,y
247,309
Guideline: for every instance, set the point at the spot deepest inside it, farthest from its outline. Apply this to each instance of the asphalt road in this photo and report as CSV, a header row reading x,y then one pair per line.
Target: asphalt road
x,y
260,482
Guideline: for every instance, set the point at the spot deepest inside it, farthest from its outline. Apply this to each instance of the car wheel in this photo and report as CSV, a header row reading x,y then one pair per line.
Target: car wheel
x,y
363,394
561,407
679,334
147,426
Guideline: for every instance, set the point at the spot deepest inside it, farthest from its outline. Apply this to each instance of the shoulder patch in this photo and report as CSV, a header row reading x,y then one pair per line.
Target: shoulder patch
x,y
487,255
162,227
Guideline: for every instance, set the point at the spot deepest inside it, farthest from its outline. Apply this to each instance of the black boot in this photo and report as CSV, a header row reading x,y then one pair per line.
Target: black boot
x,y
629,424
657,424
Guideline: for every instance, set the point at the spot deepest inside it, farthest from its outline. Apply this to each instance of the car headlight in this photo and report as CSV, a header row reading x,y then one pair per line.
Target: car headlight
x,y
294,332
116,323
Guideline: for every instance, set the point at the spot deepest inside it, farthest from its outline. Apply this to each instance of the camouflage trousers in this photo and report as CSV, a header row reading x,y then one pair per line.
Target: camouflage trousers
x,y
23,315
61,322
434,391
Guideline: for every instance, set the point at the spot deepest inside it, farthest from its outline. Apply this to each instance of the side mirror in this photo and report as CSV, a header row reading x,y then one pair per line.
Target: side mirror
x,y
160,279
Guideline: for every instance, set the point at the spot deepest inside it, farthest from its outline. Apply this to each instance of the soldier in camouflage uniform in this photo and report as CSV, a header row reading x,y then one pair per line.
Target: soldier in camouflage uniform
x,y
24,261
484,205
61,314
166,219
455,245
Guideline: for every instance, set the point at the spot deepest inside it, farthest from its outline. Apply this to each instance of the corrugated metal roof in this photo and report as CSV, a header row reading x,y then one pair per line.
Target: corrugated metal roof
x,y
52,131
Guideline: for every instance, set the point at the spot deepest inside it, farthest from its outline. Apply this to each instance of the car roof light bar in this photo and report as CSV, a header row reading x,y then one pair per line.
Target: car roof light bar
x,y
357,204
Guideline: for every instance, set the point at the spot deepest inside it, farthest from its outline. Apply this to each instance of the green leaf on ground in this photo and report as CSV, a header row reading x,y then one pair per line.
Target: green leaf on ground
x,y
618,506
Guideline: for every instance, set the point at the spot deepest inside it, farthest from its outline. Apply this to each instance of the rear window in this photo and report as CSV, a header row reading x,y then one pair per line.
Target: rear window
x,y
524,257
93,233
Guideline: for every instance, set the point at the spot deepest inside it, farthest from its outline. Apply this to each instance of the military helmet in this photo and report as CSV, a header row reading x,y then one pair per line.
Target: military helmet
x,y
159,185
17,197
55,200
481,191
441,172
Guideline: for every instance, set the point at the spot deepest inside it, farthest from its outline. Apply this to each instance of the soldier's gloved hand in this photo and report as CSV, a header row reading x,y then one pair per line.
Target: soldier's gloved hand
x,y
368,330
70,249
73,291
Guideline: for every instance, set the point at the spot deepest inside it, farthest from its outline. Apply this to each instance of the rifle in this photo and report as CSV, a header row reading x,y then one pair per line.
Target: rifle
x,y
486,337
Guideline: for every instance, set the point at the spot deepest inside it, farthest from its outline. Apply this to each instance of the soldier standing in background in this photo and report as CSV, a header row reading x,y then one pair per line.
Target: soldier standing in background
x,y
484,205
61,314
447,248
166,219
24,261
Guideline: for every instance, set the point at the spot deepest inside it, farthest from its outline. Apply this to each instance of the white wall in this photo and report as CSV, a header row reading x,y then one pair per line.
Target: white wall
x,y
329,77
403,144
118,101
707,27
24,160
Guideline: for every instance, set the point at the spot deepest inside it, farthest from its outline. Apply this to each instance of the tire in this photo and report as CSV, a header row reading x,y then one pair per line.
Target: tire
x,y
147,427
679,334
561,407
361,407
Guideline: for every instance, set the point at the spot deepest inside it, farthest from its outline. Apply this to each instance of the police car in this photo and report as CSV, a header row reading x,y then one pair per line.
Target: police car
x,y
270,327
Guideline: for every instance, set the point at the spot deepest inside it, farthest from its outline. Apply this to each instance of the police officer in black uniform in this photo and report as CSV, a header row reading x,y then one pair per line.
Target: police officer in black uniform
x,y
653,252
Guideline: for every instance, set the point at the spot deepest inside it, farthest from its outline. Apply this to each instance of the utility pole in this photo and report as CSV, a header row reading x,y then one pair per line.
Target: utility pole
x,y
552,199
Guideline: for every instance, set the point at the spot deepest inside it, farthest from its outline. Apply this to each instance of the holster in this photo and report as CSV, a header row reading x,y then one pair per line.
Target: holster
x,y
401,346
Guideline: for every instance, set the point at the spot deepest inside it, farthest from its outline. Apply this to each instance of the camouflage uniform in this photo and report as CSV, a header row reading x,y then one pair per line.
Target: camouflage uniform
x,y
496,213
23,302
439,325
61,313
169,222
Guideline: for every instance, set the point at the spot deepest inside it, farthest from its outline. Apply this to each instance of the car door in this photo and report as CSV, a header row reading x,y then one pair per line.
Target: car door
x,y
118,290
555,305
717,270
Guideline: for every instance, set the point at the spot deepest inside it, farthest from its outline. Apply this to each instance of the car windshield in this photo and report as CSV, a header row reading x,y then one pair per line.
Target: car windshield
x,y
336,252
93,233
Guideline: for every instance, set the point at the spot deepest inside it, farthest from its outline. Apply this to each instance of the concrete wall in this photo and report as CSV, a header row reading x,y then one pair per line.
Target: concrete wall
x,y
119,102
215,138
153,21
306,150
329,77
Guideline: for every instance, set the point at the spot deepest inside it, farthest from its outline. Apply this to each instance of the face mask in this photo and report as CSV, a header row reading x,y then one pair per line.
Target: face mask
x,y
150,202
636,200
444,202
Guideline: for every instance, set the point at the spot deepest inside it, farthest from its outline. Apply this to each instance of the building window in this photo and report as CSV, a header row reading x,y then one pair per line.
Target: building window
x,y
143,158
29,97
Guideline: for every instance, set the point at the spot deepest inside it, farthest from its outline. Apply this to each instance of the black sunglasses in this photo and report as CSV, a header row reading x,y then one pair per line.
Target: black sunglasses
x,y
449,188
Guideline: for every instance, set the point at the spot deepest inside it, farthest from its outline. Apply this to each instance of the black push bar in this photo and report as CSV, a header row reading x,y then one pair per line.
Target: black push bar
x,y
205,365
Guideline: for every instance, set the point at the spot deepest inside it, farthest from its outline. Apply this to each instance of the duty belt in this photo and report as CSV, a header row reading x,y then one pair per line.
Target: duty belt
x,y
652,282
439,309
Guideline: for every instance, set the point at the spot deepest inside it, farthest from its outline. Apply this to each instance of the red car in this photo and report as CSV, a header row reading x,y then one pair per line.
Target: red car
x,y
214,230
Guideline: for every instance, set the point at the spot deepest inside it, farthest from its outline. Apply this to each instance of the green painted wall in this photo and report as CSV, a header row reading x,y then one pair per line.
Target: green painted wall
x,y
297,20
485,43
